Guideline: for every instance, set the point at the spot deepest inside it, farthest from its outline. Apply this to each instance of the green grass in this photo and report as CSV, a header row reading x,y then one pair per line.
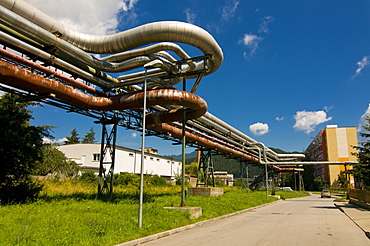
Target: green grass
x,y
291,194
69,214
342,199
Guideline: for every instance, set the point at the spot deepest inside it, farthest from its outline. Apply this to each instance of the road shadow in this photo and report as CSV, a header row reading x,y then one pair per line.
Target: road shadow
x,y
325,207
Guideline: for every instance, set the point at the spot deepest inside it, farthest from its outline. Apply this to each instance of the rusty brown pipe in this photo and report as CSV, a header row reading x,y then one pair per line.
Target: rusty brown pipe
x,y
48,71
213,139
201,141
20,78
196,107
25,80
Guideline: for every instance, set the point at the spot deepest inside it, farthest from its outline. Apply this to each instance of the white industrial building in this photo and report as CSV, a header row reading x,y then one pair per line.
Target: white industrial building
x,y
126,160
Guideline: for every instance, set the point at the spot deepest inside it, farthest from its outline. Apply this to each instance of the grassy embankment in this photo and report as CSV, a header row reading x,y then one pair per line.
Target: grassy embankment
x,y
68,213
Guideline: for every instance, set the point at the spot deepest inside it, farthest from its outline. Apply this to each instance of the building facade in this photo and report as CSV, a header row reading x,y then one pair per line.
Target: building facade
x,y
333,144
126,160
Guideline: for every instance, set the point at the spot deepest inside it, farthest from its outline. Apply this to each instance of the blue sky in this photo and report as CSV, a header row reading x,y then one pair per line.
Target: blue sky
x,y
290,67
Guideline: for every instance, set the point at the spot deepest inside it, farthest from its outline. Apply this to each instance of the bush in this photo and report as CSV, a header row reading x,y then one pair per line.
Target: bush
x,y
20,191
125,179
155,180
132,179
89,177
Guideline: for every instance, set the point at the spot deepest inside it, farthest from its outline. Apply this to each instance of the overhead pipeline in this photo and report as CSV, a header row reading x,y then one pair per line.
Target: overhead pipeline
x,y
195,106
22,14
30,30
48,71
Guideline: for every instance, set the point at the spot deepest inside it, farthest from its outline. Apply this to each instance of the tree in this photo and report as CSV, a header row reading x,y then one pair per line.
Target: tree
x,y
55,163
342,179
308,177
20,148
192,168
89,136
73,139
319,182
361,171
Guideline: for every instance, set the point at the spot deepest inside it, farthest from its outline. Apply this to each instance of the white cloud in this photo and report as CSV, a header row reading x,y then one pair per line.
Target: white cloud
x,y
361,65
264,26
259,129
190,16
279,118
51,141
327,109
251,41
129,4
98,17
307,121
363,121
228,11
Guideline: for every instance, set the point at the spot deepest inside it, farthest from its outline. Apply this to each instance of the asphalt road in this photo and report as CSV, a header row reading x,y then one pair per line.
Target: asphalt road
x,y
304,221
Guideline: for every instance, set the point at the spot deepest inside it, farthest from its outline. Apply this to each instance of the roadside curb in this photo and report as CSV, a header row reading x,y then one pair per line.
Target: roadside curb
x,y
187,227
343,207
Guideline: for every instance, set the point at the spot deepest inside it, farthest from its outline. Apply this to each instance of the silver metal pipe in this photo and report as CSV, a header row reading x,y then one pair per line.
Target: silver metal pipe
x,y
131,55
33,31
109,83
149,50
227,129
44,55
313,163
140,36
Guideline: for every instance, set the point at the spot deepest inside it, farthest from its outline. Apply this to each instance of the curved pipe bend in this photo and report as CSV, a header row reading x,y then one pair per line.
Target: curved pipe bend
x,y
195,106
164,31
73,53
160,48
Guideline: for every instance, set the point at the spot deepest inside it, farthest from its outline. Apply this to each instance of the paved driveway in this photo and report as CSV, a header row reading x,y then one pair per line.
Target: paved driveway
x,y
304,221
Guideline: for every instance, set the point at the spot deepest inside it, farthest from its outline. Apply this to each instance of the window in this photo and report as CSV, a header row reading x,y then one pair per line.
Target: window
x,y
96,157
151,158
131,154
158,159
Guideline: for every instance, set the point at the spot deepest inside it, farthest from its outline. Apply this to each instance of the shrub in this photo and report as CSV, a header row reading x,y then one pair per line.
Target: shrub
x,y
89,177
132,179
20,191
127,179
155,180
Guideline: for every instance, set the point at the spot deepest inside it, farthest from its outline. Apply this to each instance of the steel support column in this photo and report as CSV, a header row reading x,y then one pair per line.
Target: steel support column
x,y
205,168
273,177
107,155
183,151
244,173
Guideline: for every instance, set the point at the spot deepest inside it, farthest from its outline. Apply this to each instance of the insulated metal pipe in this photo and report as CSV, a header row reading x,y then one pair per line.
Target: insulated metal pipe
x,y
140,36
33,31
48,71
231,131
150,50
72,45
20,78
177,133
92,77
